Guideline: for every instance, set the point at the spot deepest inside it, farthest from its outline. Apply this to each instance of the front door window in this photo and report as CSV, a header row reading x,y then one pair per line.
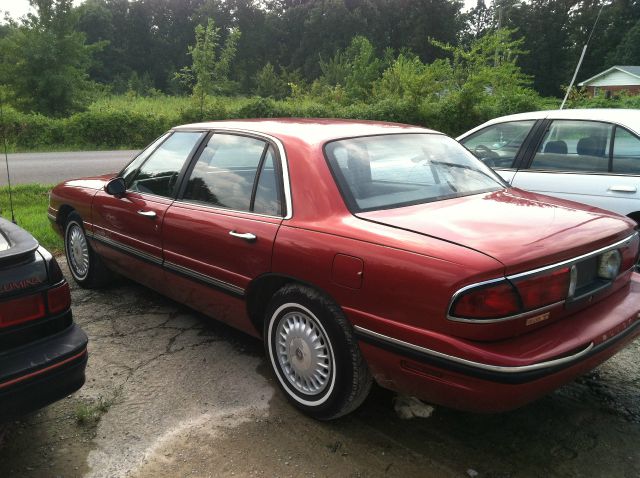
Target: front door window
x,y
159,173
497,145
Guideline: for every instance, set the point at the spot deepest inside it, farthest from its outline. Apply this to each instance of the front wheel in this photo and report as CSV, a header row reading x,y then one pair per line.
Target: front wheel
x,y
313,354
85,265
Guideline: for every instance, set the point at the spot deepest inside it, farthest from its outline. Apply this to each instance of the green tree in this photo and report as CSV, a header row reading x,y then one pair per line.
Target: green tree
x,y
270,84
209,71
628,51
44,61
545,27
355,68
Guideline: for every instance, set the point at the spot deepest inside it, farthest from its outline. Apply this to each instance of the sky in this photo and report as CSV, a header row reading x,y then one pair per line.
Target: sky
x,y
19,8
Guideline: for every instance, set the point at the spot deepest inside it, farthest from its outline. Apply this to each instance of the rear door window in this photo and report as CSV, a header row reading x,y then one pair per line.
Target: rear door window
x,y
236,172
626,152
574,146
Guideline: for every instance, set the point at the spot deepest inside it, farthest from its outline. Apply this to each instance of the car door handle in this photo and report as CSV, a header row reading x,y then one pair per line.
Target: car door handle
x,y
247,236
149,214
623,189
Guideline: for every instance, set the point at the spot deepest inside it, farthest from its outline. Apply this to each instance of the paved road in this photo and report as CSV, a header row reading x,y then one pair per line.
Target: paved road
x,y
50,168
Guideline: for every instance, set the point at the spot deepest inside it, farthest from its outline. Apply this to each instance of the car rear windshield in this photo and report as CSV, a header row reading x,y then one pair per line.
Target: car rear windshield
x,y
387,171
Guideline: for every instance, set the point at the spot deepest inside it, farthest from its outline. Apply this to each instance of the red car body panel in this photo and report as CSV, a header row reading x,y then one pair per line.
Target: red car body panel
x,y
393,272
209,249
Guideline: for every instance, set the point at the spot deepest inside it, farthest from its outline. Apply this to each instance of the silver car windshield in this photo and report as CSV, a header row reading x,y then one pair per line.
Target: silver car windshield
x,y
382,172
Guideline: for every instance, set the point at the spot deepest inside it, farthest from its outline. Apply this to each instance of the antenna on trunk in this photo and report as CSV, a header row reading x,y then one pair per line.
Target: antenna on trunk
x,y
6,156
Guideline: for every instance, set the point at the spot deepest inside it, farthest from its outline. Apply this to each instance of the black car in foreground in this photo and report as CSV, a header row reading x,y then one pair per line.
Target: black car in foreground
x,y
43,354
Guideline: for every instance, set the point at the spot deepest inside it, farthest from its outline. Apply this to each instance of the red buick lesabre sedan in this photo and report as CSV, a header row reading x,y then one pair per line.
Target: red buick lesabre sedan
x,y
363,251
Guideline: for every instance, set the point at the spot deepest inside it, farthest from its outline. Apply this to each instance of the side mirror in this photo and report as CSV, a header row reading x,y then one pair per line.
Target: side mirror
x,y
116,187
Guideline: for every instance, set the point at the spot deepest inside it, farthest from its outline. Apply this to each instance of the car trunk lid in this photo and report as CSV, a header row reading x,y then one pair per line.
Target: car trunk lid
x,y
522,230
19,271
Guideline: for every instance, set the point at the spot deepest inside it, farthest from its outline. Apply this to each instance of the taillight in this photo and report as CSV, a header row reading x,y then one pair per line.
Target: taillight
x,y
24,309
544,289
487,302
523,293
511,297
59,299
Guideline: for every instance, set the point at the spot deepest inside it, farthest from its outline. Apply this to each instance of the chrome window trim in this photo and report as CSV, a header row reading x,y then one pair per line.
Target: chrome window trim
x,y
221,209
563,171
471,363
540,270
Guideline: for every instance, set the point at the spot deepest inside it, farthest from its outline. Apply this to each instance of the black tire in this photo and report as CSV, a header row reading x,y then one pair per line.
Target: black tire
x,y
340,377
90,273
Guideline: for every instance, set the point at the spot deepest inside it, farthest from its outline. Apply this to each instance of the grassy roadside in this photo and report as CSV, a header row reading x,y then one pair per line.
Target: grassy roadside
x,y
30,203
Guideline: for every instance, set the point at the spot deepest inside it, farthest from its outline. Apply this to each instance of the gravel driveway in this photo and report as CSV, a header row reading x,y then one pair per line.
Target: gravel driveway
x,y
172,393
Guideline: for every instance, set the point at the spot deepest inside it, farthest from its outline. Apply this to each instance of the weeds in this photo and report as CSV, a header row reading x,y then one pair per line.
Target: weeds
x,y
89,414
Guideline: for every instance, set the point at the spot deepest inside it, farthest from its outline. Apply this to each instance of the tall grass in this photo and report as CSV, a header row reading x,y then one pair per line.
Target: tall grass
x,y
30,203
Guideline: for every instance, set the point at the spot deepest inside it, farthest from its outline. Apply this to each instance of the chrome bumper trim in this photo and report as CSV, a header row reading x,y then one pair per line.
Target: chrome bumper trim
x,y
478,365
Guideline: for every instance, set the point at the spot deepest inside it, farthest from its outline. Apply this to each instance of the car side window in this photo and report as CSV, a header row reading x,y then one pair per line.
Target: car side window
x,y
497,145
626,152
159,173
575,146
131,169
267,196
227,170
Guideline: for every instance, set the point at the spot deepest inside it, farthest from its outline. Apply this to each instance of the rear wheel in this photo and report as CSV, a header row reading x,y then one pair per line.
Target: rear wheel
x,y
85,265
313,354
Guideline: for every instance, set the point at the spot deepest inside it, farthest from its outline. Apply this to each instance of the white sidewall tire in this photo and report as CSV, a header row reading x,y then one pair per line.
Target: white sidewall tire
x,y
292,393
69,225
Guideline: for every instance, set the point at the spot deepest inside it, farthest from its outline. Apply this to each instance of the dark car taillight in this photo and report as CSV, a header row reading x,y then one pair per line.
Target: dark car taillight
x,y
23,309
59,299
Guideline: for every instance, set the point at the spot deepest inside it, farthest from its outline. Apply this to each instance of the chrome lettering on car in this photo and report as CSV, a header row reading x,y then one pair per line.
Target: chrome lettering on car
x,y
20,284
538,318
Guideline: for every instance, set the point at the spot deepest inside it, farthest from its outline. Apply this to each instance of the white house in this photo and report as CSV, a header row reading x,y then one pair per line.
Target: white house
x,y
615,79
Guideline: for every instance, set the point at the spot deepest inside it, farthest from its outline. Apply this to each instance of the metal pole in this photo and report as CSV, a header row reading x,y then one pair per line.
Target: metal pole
x,y
575,73
584,50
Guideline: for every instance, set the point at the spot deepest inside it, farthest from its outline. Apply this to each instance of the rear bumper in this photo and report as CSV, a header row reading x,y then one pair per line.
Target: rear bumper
x,y
40,373
507,381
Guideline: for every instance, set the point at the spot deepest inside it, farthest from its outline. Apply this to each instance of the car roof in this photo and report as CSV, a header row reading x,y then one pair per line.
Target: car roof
x,y
629,118
309,130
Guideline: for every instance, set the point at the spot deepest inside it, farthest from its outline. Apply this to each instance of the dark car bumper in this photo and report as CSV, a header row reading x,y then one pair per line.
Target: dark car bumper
x,y
34,376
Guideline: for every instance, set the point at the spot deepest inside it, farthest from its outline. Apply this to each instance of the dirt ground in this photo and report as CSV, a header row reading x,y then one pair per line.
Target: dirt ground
x,y
172,393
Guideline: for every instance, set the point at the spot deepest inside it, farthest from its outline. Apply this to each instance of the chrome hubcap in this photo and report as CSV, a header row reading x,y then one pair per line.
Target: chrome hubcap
x,y
303,353
78,251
